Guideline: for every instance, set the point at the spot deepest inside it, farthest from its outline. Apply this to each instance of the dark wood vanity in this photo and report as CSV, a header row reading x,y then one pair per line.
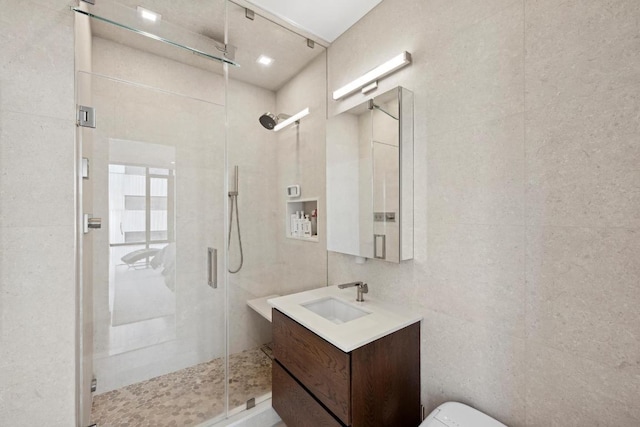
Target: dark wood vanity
x,y
316,384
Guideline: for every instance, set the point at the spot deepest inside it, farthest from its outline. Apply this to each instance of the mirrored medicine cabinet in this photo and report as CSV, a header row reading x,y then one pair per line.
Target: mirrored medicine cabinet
x,y
370,178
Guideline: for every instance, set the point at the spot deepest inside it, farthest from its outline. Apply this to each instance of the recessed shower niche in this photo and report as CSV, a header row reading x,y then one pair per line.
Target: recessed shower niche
x,y
302,219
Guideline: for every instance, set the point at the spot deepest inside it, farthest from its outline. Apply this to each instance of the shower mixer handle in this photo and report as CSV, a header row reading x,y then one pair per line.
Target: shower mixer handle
x,y
233,203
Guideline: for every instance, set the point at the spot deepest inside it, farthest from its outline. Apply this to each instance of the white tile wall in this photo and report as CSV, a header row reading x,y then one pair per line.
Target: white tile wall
x,y
301,160
527,201
37,278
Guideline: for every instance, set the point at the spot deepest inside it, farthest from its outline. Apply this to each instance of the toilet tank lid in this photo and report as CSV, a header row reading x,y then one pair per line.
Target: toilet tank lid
x,y
454,414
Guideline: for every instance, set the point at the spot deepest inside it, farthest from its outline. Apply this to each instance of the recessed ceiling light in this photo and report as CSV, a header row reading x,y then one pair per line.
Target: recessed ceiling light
x,y
264,60
148,14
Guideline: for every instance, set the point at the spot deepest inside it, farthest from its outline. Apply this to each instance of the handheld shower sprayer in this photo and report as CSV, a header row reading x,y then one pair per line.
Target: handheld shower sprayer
x,y
233,196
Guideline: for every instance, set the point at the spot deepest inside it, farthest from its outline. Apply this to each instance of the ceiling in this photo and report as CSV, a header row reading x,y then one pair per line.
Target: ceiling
x,y
327,19
251,38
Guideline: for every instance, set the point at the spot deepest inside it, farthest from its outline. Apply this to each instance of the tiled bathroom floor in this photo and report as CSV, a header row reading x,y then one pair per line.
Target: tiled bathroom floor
x,y
186,397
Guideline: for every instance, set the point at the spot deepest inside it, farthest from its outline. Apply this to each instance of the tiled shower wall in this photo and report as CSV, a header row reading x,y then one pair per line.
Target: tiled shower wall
x,y
37,275
301,160
527,202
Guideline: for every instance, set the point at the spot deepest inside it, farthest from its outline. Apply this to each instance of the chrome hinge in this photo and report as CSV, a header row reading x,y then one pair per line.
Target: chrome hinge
x,y
228,50
94,385
86,116
89,222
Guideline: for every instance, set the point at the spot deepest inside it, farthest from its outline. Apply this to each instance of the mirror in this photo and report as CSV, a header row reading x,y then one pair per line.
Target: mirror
x,y
370,178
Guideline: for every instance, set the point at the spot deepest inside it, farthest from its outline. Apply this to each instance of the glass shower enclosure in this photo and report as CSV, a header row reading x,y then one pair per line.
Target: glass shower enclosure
x,y
151,211
156,178
166,333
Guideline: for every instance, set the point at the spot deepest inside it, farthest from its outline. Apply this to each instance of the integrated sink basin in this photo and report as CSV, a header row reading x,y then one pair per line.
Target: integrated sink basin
x,y
329,313
335,310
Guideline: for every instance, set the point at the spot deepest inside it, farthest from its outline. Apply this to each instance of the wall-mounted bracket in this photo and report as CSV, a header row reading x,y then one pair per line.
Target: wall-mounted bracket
x,y
251,403
370,87
89,222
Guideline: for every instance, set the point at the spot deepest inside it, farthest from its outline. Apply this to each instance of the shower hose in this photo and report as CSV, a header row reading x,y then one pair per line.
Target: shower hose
x,y
234,201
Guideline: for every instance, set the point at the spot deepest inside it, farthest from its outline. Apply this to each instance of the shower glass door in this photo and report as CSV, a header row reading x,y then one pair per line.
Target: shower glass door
x,y
156,172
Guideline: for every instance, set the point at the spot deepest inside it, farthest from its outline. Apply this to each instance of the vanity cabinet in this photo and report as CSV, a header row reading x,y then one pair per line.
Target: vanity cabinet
x,y
317,384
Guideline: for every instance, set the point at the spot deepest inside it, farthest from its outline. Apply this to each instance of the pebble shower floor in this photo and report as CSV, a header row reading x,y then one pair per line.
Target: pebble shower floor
x,y
187,397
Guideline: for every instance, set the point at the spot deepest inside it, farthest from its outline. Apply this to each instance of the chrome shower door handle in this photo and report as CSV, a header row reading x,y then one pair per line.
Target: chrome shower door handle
x,y
212,267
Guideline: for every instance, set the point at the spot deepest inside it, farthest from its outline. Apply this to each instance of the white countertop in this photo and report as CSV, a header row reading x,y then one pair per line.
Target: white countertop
x,y
383,318
261,306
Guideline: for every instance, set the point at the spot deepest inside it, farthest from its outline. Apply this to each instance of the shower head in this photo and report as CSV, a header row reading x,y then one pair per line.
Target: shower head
x,y
270,120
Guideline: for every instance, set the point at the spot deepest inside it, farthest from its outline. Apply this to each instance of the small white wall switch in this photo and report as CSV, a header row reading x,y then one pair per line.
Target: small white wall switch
x,y
293,191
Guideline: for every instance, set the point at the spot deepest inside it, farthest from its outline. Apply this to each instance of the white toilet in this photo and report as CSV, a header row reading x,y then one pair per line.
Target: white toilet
x,y
454,414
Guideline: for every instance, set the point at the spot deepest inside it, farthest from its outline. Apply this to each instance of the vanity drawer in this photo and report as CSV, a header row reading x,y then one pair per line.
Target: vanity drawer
x,y
295,406
321,367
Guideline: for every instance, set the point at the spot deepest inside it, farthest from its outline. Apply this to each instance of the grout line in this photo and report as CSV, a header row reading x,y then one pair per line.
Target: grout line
x,y
525,286
491,330
154,89
476,124
261,12
592,95
539,225
71,119
447,41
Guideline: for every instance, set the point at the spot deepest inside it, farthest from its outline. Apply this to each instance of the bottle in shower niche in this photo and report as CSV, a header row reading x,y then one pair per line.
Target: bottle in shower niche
x,y
294,222
299,225
306,226
314,222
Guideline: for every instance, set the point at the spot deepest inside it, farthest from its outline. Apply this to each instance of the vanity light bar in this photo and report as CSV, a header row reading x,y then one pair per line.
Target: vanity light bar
x,y
380,71
292,119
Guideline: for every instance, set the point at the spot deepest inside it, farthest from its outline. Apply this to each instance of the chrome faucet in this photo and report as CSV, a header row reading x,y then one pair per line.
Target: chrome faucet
x,y
362,289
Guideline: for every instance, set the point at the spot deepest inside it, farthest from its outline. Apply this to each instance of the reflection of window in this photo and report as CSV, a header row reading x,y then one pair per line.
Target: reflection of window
x,y
140,205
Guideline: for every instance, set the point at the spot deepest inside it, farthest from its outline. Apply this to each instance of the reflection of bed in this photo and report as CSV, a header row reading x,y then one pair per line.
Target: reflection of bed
x,y
134,259
165,258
